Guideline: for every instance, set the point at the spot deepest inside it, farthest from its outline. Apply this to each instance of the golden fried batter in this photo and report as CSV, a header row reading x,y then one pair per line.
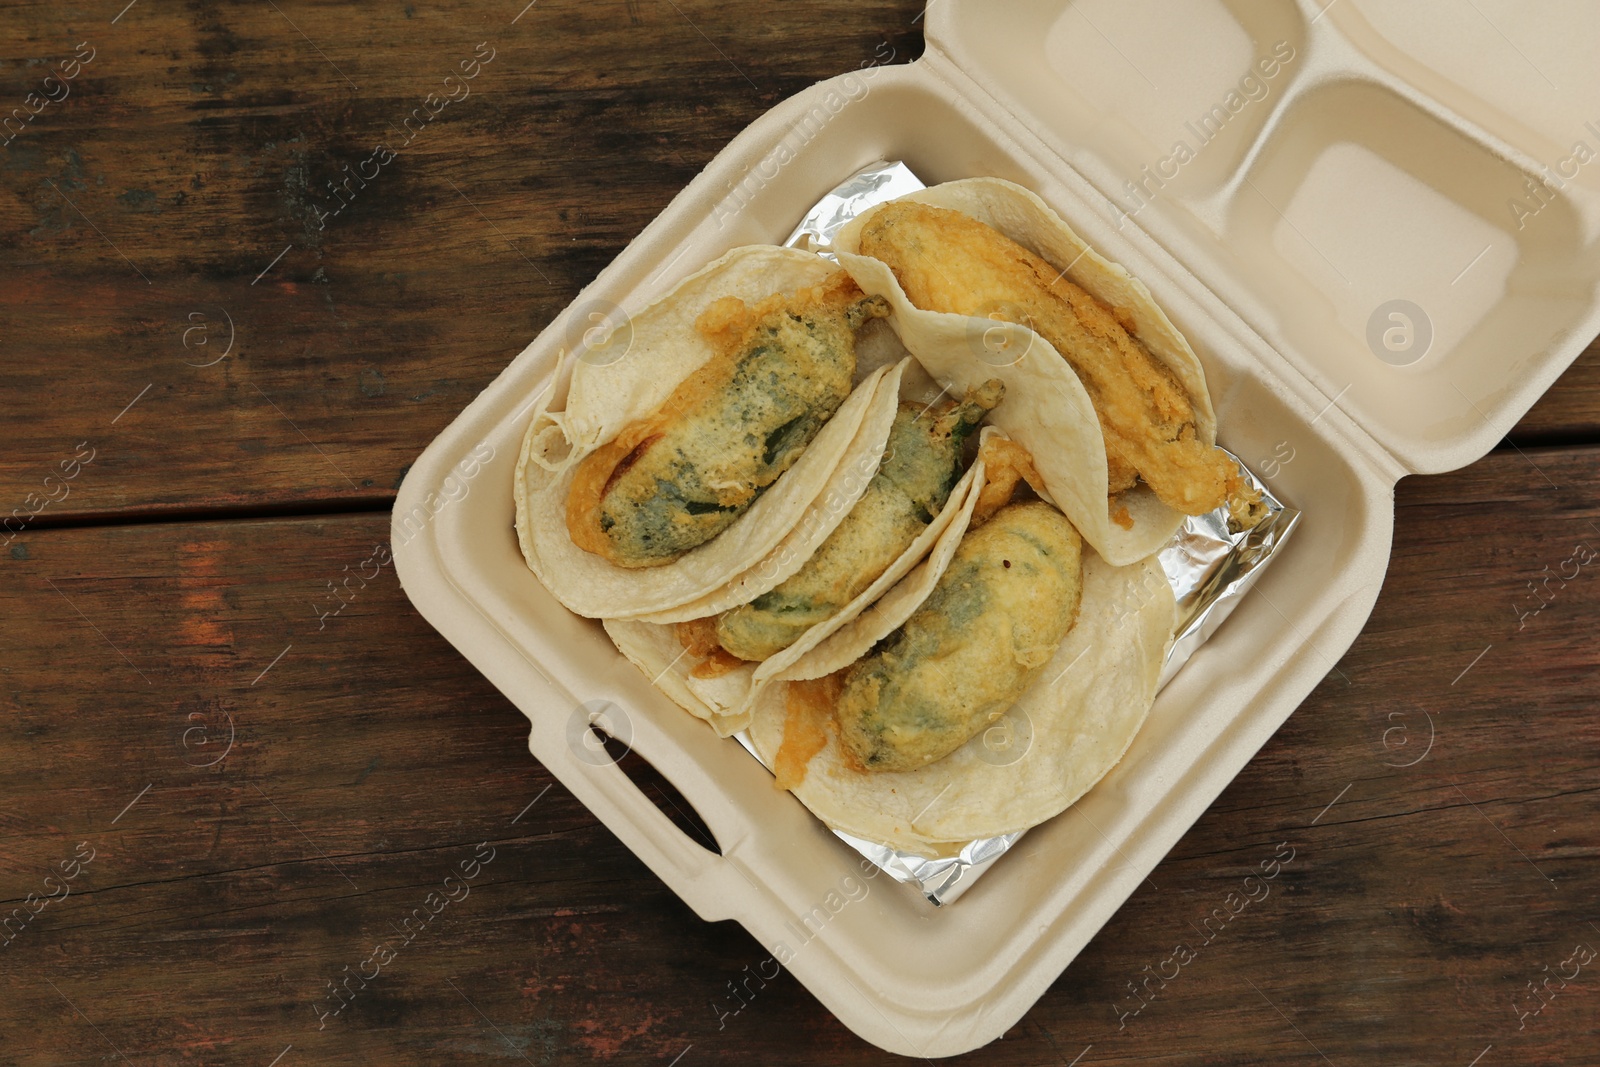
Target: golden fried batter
x,y
682,475
997,616
1005,463
921,464
699,638
950,262
808,717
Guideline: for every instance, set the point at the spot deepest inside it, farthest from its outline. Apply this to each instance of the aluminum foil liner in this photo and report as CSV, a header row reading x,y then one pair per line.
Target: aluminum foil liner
x,y
869,186
1209,567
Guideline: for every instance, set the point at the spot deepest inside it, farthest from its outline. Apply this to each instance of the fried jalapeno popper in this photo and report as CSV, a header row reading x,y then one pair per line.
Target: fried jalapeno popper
x,y
972,648
947,261
921,464
674,480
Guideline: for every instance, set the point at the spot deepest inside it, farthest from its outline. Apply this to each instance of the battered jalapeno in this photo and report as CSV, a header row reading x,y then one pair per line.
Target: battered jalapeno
x,y
950,261
676,479
995,619
921,464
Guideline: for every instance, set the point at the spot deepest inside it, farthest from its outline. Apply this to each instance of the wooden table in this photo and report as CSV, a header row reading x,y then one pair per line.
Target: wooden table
x,y
231,798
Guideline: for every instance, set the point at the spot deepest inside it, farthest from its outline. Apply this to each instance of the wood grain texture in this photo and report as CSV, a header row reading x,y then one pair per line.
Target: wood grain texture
x,y
1570,411
139,215
268,794
370,760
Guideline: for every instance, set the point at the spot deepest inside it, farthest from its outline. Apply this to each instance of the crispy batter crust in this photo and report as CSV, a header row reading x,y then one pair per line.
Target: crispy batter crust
x,y
677,478
1005,463
947,261
808,717
922,462
699,639
995,619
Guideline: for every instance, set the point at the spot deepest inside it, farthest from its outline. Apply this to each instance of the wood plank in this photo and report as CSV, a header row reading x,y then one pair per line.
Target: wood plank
x,y
1570,411
143,217
369,761
143,212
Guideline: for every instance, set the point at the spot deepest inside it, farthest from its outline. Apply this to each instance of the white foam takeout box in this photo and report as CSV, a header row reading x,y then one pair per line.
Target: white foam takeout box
x,y
1338,159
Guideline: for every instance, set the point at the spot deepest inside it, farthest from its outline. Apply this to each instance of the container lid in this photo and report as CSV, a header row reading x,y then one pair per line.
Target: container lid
x,y
1348,178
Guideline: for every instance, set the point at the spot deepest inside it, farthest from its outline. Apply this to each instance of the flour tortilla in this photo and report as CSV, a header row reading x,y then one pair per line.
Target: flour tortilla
x,y
728,701
1084,710
1046,407
601,394
854,638
821,517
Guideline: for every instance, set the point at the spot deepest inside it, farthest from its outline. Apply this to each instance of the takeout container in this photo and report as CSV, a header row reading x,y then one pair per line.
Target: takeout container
x,y
1379,163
